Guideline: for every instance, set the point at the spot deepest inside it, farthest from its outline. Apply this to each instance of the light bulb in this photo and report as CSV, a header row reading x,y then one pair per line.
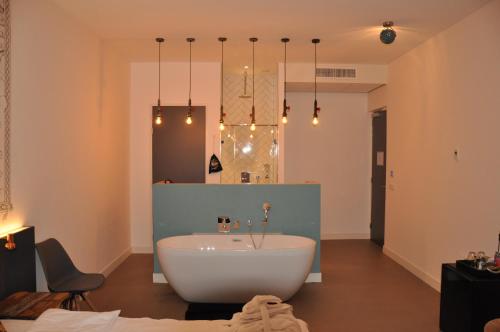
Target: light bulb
x,y
158,120
221,126
189,120
315,121
252,127
284,120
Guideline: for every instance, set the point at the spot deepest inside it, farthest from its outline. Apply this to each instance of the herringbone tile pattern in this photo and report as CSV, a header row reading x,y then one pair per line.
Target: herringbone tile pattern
x,y
242,150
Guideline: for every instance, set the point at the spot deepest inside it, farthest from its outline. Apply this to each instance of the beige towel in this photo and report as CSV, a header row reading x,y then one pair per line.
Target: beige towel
x,y
265,313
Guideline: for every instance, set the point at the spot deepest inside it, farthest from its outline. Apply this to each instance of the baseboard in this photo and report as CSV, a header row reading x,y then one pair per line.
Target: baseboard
x,y
346,236
418,272
116,262
313,277
159,278
142,250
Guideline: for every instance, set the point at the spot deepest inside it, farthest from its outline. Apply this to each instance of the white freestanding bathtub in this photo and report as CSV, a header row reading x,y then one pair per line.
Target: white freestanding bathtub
x,y
226,268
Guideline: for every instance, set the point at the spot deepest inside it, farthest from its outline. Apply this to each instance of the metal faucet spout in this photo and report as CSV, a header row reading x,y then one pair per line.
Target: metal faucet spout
x,y
266,207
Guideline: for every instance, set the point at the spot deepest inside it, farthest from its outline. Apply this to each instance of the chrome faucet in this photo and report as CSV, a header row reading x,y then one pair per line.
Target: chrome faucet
x,y
266,207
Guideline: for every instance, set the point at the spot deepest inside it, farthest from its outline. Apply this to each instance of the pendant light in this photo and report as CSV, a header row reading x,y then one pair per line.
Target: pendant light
x,y
315,120
158,115
388,35
252,125
286,108
221,118
189,118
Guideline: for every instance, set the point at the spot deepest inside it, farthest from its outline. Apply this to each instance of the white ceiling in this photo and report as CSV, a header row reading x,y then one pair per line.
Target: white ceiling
x,y
348,28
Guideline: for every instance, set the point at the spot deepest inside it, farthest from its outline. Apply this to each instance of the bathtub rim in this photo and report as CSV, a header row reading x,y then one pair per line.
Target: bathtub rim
x,y
309,243
313,277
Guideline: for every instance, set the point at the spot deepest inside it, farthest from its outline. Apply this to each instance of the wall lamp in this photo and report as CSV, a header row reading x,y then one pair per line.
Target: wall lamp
x,y
10,243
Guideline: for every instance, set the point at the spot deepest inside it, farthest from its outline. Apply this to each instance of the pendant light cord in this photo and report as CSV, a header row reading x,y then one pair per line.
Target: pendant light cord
x,y
221,116
315,69
285,73
159,40
190,43
222,74
159,72
316,109
253,40
253,78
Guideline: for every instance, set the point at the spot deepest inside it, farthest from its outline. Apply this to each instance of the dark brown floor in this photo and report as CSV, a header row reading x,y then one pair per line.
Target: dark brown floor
x,y
362,290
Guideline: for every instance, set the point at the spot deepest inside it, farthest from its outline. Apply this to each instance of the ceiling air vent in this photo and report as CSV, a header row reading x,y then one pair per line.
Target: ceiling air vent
x,y
336,72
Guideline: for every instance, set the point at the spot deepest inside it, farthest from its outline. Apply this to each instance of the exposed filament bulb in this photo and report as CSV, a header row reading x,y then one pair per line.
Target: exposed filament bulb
x,y
315,121
158,119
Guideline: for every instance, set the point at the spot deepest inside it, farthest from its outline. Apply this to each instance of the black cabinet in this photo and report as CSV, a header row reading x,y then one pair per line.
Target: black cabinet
x,y
467,302
17,267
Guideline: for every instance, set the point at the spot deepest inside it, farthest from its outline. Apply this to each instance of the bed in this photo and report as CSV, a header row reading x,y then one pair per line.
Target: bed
x,y
146,325
137,324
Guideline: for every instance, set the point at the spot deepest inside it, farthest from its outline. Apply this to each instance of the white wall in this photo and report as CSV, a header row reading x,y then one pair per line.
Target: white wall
x,y
144,94
377,98
335,154
69,136
441,96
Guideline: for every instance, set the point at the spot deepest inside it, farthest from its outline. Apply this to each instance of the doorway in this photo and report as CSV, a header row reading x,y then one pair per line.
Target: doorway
x,y
379,157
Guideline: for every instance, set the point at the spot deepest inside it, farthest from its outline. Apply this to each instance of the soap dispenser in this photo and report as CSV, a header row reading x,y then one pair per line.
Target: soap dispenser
x,y
223,224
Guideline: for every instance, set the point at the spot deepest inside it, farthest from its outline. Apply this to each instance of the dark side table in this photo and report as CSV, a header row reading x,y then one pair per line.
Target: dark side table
x,y
28,305
468,302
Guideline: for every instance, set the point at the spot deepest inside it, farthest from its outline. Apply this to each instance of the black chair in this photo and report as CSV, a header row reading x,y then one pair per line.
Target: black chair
x,y
63,276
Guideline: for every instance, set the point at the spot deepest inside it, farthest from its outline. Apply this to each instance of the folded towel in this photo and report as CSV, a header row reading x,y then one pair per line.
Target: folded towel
x,y
281,323
254,310
265,313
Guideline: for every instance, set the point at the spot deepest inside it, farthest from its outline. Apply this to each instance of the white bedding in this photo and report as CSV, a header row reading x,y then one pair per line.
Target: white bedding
x,y
146,325
139,324
16,325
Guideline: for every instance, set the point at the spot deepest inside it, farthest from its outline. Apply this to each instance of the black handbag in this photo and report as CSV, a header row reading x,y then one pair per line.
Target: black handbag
x,y
215,165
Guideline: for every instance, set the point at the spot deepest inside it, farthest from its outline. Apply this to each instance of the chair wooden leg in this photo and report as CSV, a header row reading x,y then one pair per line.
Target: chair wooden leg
x,y
86,299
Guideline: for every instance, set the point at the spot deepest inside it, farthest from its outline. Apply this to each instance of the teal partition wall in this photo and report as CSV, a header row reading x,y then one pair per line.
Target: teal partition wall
x,y
181,209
